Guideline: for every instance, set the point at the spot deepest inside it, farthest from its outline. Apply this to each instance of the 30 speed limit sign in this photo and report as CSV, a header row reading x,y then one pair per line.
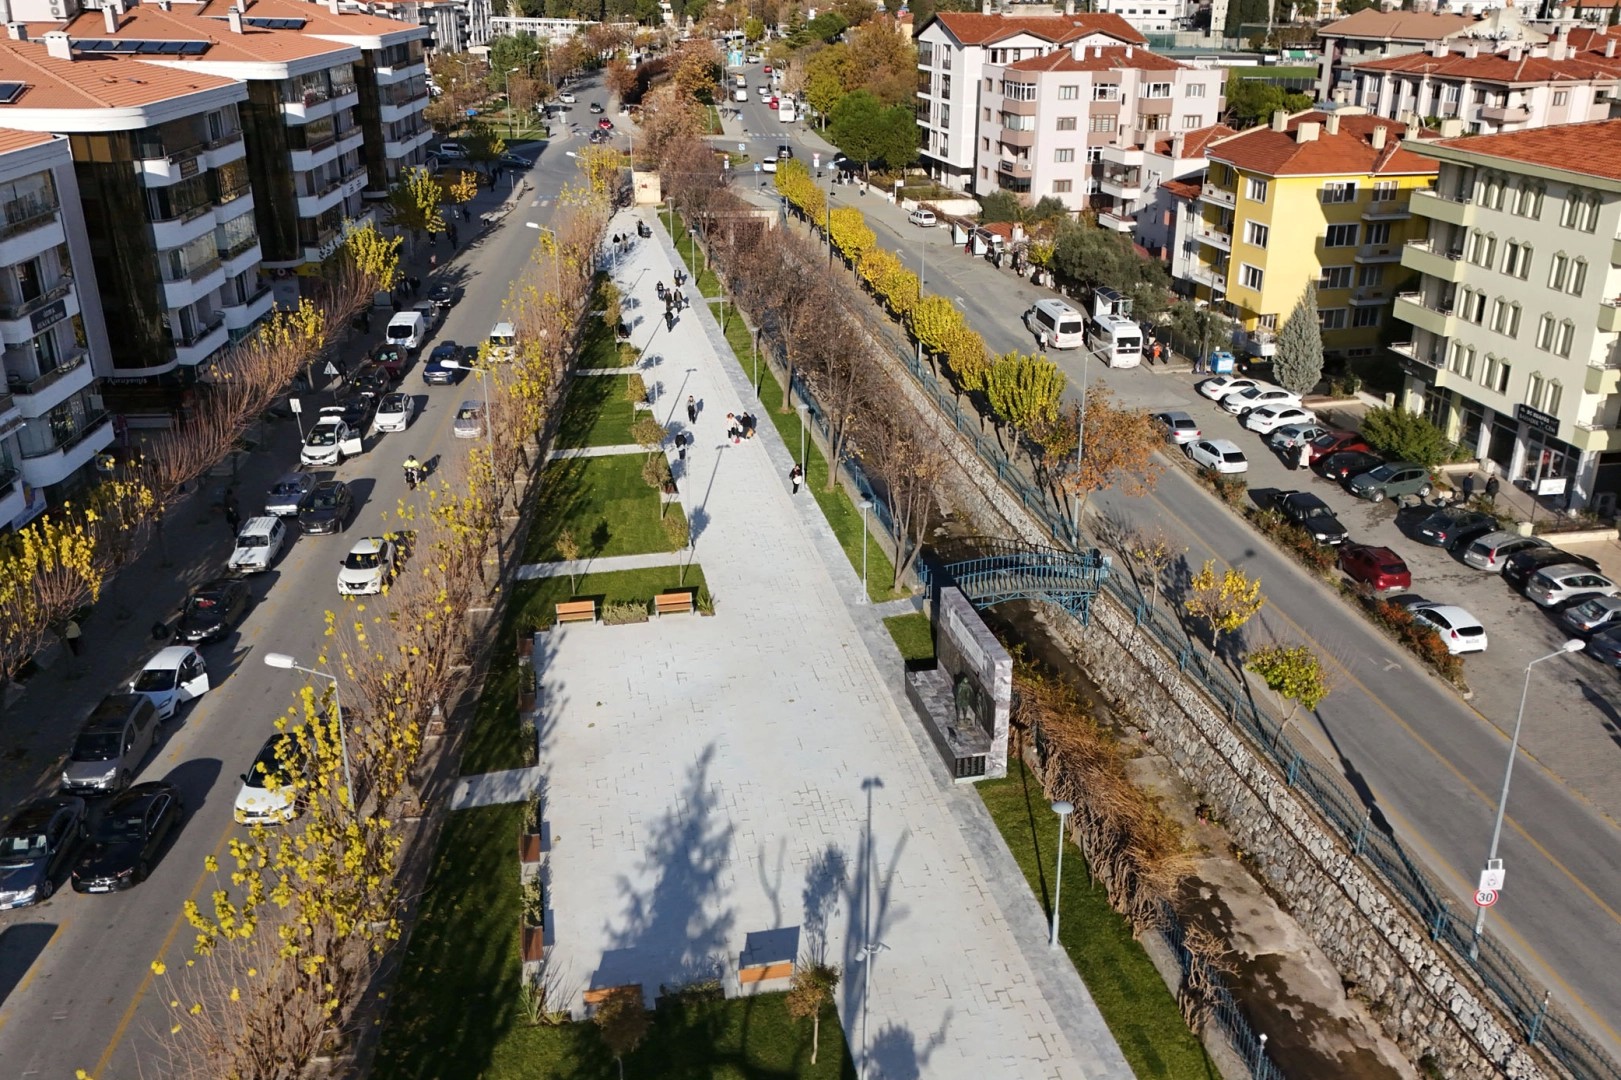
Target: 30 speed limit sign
x,y
1485,897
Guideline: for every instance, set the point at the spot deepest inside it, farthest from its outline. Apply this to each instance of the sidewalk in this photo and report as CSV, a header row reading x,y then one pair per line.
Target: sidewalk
x,y
717,777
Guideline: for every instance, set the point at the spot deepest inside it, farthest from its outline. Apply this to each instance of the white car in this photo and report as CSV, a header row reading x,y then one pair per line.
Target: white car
x,y
451,151
1553,584
1222,385
1460,631
1260,394
171,678
330,440
394,412
1292,436
469,423
367,567
566,98
1179,427
268,795
768,165
257,545
1223,455
1269,418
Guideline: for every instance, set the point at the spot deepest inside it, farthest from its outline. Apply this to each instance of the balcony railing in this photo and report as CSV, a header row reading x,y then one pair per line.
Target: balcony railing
x,y
8,475
19,383
224,140
195,273
63,286
31,217
1221,197
91,425
245,244
251,298
215,321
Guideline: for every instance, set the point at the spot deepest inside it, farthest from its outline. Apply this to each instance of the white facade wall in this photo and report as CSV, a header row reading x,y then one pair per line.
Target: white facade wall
x,y
1485,107
1149,16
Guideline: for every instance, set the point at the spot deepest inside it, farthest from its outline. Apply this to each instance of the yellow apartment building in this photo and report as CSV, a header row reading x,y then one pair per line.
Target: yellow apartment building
x,y
1317,196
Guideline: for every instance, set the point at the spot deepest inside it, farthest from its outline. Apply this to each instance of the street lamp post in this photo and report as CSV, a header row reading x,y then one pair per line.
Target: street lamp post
x,y
866,504
287,663
804,431
1063,810
864,957
508,82
1571,646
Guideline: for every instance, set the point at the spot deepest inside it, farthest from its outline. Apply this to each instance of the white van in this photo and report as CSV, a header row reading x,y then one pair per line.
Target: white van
x,y
503,341
1117,340
406,330
1064,326
787,110
740,94
923,219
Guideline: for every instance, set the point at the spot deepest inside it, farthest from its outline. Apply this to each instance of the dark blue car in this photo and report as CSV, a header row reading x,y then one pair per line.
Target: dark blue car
x,y
446,365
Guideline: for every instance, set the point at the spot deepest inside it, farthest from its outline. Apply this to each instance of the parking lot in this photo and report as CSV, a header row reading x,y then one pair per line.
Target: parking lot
x,y
1574,723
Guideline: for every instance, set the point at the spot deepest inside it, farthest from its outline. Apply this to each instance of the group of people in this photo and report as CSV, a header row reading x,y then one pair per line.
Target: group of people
x,y
740,426
674,301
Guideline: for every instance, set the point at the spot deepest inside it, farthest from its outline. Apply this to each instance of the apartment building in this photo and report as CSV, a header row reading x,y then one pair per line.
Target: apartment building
x,y
453,25
1314,197
1515,346
1150,16
1372,34
1044,121
1162,219
163,200
953,50
1568,80
52,420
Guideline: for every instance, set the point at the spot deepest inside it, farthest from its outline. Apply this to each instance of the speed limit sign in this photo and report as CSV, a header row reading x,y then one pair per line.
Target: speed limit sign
x,y
1485,897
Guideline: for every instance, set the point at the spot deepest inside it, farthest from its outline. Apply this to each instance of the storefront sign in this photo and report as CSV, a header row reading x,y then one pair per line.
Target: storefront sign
x,y
1536,418
49,315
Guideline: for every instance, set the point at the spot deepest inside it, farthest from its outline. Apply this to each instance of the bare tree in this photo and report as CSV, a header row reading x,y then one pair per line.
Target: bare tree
x,y
908,459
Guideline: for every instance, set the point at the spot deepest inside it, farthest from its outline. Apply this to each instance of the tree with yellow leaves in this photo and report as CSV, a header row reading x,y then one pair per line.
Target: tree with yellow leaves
x,y
850,233
1024,390
934,321
1225,601
413,203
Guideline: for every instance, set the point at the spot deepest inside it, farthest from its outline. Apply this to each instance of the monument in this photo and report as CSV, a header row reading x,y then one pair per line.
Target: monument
x,y
965,699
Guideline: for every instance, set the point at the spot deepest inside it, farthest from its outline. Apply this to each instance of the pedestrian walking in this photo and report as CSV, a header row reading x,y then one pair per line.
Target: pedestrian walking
x,y
796,476
1157,352
1303,455
70,634
1492,488
1198,363
433,260
1041,340
455,236
233,517
465,216
669,319
681,445
692,409
1468,487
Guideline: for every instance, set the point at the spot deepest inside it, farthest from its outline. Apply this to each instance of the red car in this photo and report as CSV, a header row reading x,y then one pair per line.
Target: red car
x,y
774,101
1334,441
1379,568
766,69
605,124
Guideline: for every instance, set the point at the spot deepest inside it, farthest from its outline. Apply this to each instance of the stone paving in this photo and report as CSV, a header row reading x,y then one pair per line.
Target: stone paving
x,y
604,565
712,778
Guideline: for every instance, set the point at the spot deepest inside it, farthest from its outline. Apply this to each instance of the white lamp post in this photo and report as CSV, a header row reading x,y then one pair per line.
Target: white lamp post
x,y
287,663
1063,810
866,504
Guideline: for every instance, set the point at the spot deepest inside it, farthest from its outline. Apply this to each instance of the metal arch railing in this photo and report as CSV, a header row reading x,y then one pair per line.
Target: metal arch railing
x,y
999,570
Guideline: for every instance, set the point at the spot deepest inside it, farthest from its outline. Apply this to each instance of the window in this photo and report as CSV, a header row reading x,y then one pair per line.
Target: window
x,y
1340,236
1499,313
1578,277
1563,336
1157,90
985,113
1365,315
1474,307
1339,192
1581,211
1512,328
1370,277
1101,122
1106,92
1192,122
1517,259
1555,391
1268,322
1066,123
1567,275
1255,233
1255,190
1068,93
1560,97
1499,381
1019,91
1061,187
1094,155
1250,276
1332,318
1533,390
1558,271
1384,191
1531,201
1193,89
1545,329
1482,249
1064,156
1335,277
1377,233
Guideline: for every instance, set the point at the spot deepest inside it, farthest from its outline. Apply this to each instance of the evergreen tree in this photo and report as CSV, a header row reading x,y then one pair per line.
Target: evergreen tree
x,y
1299,362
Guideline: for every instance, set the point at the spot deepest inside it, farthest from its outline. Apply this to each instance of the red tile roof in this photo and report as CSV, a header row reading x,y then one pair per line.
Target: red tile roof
x,y
974,28
185,22
1398,25
1098,58
1194,143
1502,67
1351,152
11,139
319,18
1182,189
93,82
1590,149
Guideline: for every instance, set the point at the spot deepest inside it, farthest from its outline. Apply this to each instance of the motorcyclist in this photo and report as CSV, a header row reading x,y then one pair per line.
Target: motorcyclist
x,y
413,471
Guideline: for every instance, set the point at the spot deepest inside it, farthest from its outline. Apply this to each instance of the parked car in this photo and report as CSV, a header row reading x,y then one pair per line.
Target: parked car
x,y
111,745
391,359
131,836
267,796
1266,419
1379,568
1260,394
367,568
1222,455
451,151
173,677
1343,465
359,408
1313,515
36,846
330,439
394,412
213,610
1290,436
1604,646
469,420
1551,584
443,295
258,543
1491,550
1591,615
1180,428
282,498
1337,442
1452,527
327,509
1391,480
1518,567
444,366
1219,387
1460,631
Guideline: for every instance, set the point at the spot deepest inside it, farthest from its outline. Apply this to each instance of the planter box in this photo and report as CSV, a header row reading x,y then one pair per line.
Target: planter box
x,y
534,943
529,847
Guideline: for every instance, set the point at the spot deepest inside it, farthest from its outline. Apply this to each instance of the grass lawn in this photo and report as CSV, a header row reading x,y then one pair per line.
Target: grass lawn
x,y
599,349
1140,1011
604,502
708,283
913,635
597,413
496,740
534,602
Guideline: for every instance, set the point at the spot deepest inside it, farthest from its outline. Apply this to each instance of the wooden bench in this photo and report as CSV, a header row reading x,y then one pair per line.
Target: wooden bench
x,y
673,603
577,611
753,973
602,993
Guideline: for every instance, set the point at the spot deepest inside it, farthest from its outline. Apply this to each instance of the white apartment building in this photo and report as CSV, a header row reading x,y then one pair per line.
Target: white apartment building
x,y
1045,121
1162,218
1371,34
52,420
453,25
1568,80
1515,344
953,50
1150,16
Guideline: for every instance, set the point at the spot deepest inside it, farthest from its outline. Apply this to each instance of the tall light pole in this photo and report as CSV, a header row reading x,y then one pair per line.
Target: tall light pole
x,y
804,431
287,663
1063,810
1492,865
508,82
866,504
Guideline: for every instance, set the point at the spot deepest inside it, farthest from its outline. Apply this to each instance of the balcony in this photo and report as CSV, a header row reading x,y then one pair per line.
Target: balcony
x,y
1609,316
1015,137
1119,222
1012,168
1379,253
224,150
1124,184
1603,379
176,232
245,256
204,342
37,393
1218,196
1212,236
1427,202
164,166
1387,210
1208,276
402,147
25,308
389,112
198,282
1505,114
23,239
1410,308
331,193
313,105
326,151
41,468
1129,156
1421,256
1370,296
1409,351
241,315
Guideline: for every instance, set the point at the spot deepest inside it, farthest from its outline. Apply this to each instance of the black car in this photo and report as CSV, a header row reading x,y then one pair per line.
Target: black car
x,y
213,610
1518,567
358,409
1345,464
1313,515
130,837
596,108
784,151
1452,527
1605,646
442,296
35,847
371,381
327,508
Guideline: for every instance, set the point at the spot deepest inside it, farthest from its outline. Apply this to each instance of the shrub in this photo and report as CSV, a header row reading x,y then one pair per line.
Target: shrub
x,y
619,614
1406,436
534,903
1228,488
1295,540
1423,641
635,389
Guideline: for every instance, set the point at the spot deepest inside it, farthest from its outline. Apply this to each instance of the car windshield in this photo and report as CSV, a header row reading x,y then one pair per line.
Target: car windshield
x,y
203,605
97,746
467,414
267,771
324,500
362,560
252,540
120,828
153,680
20,847
1316,512
394,403
286,488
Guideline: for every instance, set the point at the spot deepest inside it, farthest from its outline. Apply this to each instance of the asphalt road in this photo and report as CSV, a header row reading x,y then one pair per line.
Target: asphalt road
x,y
75,971
1422,759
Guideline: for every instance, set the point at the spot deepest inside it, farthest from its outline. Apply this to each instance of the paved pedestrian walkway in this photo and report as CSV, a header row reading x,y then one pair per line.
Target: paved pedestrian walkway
x,y
714,778
492,789
530,571
593,451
